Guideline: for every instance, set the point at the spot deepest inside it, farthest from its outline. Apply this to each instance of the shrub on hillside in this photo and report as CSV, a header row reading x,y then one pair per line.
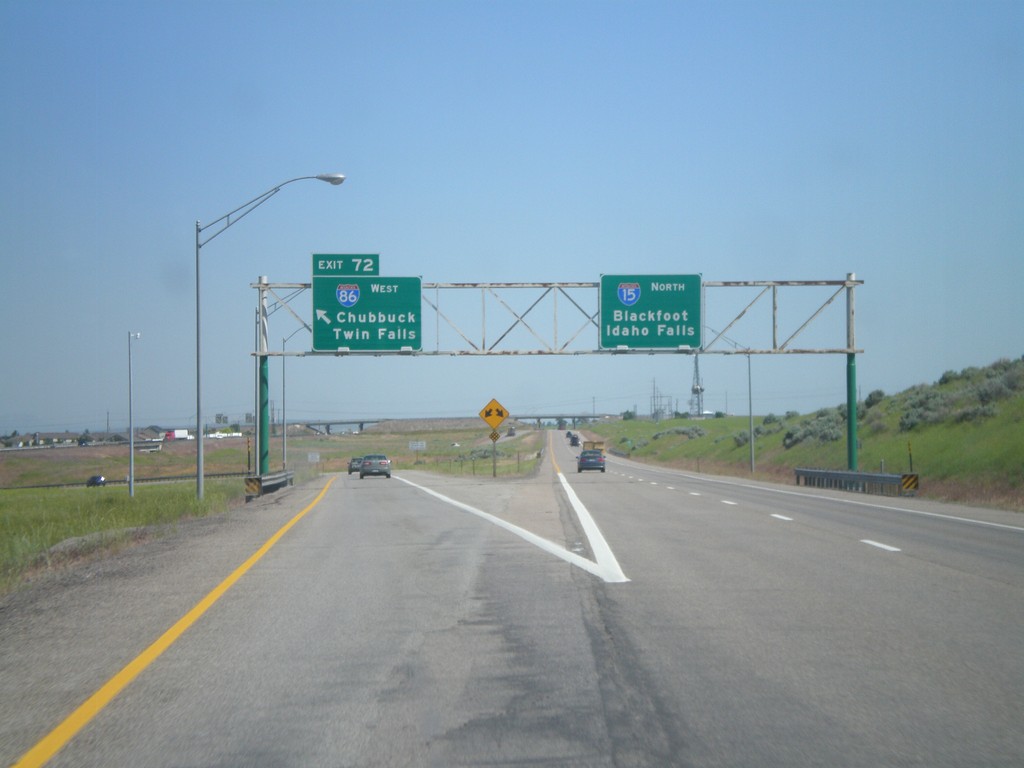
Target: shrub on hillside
x,y
974,413
925,405
828,425
690,432
991,390
874,421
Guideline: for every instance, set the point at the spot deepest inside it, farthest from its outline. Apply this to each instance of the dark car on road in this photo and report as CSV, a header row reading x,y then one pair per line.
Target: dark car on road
x,y
354,464
95,481
590,460
375,464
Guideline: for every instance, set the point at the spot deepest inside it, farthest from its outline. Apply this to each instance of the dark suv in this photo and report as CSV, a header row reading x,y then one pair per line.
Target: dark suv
x,y
375,464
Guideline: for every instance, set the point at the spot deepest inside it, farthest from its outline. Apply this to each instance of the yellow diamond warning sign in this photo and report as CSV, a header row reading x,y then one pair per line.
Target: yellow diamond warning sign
x,y
494,413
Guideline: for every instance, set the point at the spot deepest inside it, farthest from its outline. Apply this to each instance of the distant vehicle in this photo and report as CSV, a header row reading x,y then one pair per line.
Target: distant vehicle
x,y
354,464
574,440
375,464
96,481
591,459
568,434
177,434
593,445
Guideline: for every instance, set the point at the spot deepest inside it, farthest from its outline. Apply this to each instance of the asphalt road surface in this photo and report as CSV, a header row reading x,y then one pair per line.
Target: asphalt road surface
x,y
636,617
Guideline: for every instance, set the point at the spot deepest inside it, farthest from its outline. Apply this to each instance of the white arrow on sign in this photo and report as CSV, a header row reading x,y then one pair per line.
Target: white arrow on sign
x,y
322,315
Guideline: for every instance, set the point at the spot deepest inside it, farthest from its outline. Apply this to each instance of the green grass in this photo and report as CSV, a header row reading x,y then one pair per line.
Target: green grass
x,y
34,521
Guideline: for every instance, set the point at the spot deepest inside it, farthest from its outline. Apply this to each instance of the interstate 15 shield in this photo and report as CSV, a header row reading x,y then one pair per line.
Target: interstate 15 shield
x,y
629,293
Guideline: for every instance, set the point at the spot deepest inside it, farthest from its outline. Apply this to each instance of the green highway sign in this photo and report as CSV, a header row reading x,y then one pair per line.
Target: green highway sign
x,y
650,311
366,314
346,264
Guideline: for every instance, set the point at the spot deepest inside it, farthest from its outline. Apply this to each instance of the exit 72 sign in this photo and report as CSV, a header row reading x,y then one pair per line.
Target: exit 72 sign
x,y
346,264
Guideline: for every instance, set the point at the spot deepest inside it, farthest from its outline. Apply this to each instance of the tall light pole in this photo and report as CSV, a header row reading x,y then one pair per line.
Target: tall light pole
x,y
226,221
131,421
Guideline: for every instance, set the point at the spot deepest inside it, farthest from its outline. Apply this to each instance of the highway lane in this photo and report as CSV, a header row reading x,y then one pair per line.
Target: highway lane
x,y
389,626
810,643
986,542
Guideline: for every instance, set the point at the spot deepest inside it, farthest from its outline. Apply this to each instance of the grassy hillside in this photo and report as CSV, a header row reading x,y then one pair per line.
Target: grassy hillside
x,y
964,435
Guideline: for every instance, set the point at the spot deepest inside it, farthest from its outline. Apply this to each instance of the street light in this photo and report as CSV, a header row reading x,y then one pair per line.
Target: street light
x,y
226,221
131,420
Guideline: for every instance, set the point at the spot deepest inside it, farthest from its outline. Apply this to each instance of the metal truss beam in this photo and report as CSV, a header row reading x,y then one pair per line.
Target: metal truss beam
x,y
554,334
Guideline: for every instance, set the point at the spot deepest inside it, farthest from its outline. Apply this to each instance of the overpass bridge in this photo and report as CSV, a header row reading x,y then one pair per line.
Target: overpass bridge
x,y
326,426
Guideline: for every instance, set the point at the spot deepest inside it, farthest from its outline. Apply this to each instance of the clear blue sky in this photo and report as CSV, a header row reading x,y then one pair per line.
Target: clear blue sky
x,y
506,141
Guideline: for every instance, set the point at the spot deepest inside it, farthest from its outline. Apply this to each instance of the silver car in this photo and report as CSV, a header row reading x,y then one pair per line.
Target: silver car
x,y
375,464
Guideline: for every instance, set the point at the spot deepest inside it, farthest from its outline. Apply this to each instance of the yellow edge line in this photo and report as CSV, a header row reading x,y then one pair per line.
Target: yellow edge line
x,y
63,733
551,453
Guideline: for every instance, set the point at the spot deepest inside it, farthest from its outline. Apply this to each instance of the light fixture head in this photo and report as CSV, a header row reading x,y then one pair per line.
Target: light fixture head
x,y
332,178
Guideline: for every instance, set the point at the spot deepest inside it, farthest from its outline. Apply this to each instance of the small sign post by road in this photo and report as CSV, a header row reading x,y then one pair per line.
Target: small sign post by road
x,y
494,413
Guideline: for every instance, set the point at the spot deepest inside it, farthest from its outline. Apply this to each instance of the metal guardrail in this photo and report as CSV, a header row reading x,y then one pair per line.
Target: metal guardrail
x,y
257,485
861,482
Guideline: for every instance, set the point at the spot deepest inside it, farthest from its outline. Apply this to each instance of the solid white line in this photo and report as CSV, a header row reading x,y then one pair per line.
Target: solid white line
x,y
886,547
597,569
610,570
782,517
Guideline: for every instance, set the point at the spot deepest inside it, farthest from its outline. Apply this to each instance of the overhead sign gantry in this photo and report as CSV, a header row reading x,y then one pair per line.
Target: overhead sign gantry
x,y
358,312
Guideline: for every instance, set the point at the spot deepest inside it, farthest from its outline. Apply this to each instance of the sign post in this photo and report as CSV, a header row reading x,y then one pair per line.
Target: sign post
x,y
650,312
494,414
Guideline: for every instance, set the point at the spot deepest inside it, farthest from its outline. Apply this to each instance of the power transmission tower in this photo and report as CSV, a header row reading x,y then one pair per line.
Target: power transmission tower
x,y
696,391
661,405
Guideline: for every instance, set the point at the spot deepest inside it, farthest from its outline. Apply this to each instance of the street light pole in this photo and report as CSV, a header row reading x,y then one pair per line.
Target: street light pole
x,y
131,420
225,221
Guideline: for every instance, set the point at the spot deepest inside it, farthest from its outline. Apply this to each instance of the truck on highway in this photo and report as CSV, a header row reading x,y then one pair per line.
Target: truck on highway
x,y
593,445
177,434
